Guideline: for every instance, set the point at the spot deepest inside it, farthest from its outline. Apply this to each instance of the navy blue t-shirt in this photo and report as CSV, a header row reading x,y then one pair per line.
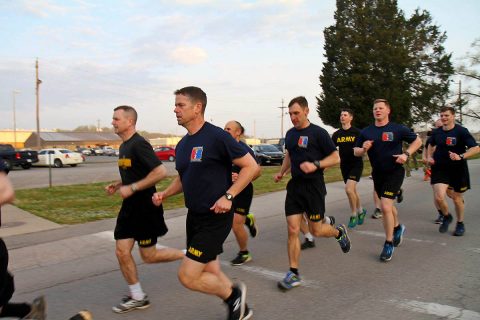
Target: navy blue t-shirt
x,y
455,140
204,163
249,150
309,144
387,141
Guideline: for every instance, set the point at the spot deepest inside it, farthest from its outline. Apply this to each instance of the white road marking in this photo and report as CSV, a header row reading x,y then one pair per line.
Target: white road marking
x,y
382,235
439,310
476,250
273,275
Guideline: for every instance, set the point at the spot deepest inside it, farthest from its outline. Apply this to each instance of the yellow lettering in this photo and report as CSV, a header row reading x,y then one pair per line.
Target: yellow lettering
x,y
388,193
125,163
195,252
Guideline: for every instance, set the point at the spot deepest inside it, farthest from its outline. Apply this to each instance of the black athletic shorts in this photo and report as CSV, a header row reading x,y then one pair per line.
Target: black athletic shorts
x,y
6,279
306,195
243,201
206,233
141,220
387,184
351,171
455,175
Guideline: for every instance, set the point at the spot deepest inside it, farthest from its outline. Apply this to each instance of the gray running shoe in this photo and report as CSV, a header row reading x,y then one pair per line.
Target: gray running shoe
x,y
377,214
129,304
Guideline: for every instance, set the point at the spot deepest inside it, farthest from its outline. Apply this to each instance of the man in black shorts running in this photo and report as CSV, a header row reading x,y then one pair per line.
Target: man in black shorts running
x,y
204,160
450,146
383,142
242,202
138,220
309,151
351,166
35,310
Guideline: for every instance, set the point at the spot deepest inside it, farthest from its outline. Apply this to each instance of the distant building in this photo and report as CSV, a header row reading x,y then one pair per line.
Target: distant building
x,y
68,140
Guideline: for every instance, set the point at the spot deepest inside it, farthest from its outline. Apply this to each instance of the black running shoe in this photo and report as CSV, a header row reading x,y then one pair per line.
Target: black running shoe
x,y
241,259
251,225
307,244
400,195
344,240
237,308
445,223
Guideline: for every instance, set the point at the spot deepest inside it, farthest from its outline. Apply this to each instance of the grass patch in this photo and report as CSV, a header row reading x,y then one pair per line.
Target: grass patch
x,y
88,202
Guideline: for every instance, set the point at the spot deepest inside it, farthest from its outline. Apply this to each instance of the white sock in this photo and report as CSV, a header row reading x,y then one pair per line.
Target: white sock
x,y
136,291
360,210
326,220
354,214
309,236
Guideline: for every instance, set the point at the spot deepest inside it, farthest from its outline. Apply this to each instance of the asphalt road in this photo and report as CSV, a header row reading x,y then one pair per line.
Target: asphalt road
x,y
94,169
431,275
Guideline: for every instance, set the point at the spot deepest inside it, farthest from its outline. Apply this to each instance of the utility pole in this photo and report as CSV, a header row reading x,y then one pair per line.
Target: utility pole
x,y
98,125
281,124
14,92
37,93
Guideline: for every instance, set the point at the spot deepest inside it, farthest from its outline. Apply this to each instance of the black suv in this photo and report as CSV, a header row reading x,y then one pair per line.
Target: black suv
x,y
268,154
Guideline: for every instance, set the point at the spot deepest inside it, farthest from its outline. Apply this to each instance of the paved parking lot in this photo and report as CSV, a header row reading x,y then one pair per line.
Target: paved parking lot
x,y
94,169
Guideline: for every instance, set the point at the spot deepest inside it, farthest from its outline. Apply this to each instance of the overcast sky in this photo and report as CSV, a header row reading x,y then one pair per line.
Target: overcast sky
x,y
246,55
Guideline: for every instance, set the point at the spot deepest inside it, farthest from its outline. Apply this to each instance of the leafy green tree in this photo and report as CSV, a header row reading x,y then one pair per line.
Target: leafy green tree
x,y
372,52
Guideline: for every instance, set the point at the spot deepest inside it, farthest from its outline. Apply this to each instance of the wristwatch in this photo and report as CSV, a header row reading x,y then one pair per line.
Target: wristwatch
x,y
228,196
461,156
407,153
317,164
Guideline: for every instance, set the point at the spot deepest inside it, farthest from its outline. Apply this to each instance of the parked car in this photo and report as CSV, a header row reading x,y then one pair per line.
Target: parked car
x,y
84,151
97,151
109,151
57,157
268,154
15,158
165,153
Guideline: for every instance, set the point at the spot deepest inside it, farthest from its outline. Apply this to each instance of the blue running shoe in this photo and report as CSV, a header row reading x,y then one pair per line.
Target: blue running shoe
x,y
459,229
353,222
445,223
398,235
361,216
344,240
387,252
290,281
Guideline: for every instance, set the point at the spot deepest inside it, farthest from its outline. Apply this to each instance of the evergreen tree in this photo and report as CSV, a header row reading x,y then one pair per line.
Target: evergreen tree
x,y
372,52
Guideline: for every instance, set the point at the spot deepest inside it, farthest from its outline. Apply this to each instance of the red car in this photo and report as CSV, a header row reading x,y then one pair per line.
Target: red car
x,y
165,153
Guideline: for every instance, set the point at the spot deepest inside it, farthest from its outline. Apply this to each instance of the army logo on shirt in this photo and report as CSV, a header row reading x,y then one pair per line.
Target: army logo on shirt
x,y
451,141
196,155
387,136
303,141
124,163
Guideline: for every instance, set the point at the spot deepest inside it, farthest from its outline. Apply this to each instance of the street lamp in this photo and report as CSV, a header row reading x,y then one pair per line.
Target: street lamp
x,y
14,92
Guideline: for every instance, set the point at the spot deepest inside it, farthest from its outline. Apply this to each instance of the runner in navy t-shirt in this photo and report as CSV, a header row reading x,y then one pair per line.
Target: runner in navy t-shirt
x,y
242,202
449,148
138,220
204,160
383,142
351,166
309,151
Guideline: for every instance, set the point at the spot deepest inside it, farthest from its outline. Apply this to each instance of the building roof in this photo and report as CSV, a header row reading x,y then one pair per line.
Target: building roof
x,y
78,136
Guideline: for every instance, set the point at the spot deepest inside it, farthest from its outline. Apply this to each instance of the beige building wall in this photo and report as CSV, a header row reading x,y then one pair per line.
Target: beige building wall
x,y
166,141
16,139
